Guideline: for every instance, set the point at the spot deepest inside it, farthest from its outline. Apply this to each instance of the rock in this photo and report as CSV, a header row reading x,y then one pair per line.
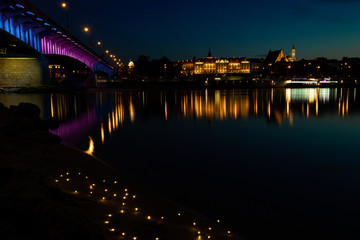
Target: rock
x,y
3,109
25,110
52,123
38,136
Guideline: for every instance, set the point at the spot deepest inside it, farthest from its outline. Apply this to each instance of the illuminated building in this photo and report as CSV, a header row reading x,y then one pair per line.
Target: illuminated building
x,y
293,56
276,56
279,56
211,65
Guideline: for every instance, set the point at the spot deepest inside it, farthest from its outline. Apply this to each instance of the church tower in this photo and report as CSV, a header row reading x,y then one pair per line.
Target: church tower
x,y
293,56
209,54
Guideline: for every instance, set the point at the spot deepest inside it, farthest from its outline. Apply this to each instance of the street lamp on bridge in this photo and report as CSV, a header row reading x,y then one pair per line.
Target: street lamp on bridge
x,y
65,5
87,30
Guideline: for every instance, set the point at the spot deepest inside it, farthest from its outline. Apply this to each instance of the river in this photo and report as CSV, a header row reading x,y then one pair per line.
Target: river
x,y
270,163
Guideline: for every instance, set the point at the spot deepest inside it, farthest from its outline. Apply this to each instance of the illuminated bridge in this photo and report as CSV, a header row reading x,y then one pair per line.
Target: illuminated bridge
x,y
33,29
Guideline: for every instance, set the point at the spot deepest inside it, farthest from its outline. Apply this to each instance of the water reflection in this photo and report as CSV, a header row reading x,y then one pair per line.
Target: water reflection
x,y
113,109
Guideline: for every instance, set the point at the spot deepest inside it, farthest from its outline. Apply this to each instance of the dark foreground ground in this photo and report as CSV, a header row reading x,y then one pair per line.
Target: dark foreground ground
x,y
52,191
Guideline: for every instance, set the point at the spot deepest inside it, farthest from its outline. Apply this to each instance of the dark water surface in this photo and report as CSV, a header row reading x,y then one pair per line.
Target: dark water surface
x,y
270,163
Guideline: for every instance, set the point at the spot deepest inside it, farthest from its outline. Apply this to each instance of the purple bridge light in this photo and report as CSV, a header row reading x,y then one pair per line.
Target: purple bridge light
x,y
22,20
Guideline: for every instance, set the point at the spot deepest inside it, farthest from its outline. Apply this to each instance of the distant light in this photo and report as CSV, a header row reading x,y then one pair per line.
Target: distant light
x,y
99,43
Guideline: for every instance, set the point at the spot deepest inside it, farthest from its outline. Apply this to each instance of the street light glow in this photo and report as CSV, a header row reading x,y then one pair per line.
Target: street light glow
x,y
64,5
86,29
99,43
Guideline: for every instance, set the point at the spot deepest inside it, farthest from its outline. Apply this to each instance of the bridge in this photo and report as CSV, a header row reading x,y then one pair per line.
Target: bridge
x,y
23,21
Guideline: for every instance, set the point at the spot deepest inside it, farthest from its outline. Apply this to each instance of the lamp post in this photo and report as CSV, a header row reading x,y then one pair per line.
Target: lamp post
x,y
87,30
287,70
100,48
318,68
66,7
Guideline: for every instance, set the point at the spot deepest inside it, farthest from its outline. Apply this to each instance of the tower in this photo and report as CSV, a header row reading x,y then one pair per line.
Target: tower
x,y
209,54
293,56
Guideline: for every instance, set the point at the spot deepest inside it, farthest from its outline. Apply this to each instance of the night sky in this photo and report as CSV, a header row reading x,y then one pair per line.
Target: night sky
x,y
187,28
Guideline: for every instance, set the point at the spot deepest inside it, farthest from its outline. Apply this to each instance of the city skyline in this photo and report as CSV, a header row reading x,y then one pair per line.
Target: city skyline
x,y
321,28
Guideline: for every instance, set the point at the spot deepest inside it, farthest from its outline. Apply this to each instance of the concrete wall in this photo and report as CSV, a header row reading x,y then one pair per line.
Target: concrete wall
x,y
24,72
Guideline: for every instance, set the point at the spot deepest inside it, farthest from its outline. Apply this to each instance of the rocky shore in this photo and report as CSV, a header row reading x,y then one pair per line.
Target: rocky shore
x,y
52,191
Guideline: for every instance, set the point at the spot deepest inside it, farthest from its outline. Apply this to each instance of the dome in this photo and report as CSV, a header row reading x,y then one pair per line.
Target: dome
x,y
131,64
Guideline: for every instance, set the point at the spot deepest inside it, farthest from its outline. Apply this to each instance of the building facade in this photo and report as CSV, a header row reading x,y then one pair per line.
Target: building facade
x,y
210,65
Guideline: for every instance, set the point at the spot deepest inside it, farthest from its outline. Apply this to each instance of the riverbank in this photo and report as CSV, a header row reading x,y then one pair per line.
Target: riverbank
x,y
52,191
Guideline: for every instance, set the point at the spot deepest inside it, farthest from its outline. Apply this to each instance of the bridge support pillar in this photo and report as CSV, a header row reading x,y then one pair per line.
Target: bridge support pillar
x,y
24,72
